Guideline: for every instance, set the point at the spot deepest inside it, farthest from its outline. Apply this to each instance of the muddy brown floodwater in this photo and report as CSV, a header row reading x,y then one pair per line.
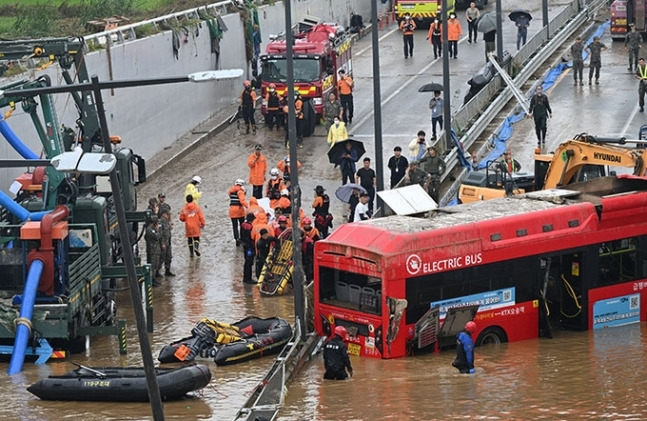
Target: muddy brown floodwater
x,y
577,375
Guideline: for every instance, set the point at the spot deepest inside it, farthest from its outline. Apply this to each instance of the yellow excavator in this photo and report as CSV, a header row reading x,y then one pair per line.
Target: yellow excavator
x,y
579,159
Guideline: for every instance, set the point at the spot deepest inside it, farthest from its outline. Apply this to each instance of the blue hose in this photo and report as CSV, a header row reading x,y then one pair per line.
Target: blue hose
x,y
23,329
13,140
17,210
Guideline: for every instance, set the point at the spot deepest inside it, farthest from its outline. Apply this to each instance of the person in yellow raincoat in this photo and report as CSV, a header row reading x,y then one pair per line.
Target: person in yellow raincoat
x,y
337,132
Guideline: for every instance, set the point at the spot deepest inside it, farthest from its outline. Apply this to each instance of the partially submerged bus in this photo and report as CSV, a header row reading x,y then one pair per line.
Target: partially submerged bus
x,y
553,259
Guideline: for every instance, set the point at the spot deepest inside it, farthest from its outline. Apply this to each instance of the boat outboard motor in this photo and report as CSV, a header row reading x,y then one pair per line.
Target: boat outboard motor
x,y
205,338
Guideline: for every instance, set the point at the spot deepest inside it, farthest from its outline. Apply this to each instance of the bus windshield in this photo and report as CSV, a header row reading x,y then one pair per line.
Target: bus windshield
x,y
305,70
350,290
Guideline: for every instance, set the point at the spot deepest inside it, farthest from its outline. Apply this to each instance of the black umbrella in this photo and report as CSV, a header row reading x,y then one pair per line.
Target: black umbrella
x,y
487,22
338,149
514,15
431,87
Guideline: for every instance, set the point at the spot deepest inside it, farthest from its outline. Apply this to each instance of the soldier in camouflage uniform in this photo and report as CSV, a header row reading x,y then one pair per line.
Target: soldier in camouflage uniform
x,y
153,247
165,238
162,205
632,44
417,176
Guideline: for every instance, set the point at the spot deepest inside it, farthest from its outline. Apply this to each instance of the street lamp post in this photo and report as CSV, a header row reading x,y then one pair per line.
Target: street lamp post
x,y
377,107
447,124
297,262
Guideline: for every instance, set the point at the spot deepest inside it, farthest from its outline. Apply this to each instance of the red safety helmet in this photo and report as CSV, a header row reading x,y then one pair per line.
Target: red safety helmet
x,y
340,331
283,218
470,327
247,83
307,221
272,86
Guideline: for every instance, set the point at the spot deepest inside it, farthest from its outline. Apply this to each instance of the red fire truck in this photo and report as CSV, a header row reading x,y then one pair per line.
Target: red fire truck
x,y
320,51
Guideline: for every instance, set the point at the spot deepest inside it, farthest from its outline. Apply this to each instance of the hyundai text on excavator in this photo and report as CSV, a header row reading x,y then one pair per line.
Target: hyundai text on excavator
x,y
60,249
320,50
580,159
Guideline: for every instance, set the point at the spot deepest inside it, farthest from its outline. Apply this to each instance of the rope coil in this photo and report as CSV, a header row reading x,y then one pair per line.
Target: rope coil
x,y
23,321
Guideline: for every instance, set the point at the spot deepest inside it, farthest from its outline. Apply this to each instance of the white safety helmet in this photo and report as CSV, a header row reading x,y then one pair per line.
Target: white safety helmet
x,y
197,179
240,182
274,171
285,192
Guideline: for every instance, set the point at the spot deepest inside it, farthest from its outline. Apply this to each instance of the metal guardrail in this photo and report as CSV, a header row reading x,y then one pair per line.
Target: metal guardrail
x,y
127,32
536,45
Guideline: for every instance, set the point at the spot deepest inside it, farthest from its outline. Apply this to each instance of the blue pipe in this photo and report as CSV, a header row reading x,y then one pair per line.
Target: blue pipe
x,y
23,328
14,141
17,210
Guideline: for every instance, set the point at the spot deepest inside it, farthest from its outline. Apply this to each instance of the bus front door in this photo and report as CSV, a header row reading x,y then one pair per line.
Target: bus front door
x,y
563,292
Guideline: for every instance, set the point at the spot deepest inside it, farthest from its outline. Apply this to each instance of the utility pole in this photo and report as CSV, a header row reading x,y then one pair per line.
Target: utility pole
x,y
377,107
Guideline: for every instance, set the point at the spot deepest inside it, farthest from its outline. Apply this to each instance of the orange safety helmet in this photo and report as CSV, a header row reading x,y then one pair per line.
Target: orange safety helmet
x,y
247,83
470,327
307,221
340,331
272,86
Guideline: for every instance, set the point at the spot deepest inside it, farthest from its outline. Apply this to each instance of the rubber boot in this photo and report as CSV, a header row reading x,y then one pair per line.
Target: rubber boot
x,y
196,247
253,128
247,129
191,250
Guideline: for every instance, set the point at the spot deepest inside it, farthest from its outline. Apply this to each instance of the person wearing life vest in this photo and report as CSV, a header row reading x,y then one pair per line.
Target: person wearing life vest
x,y
407,26
335,355
321,205
273,103
249,249
284,203
283,225
261,222
298,110
345,88
464,361
237,206
248,104
284,166
193,189
274,187
311,232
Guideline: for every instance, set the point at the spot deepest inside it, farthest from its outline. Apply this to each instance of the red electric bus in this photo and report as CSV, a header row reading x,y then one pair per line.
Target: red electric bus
x,y
552,259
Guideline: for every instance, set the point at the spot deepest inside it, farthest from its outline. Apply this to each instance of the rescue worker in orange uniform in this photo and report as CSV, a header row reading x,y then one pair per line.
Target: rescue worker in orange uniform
x,y
284,203
254,208
454,32
260,222
237,207
257,164
407,26
284,166
311,232
274,187
193,219
272,102
345,88
248,104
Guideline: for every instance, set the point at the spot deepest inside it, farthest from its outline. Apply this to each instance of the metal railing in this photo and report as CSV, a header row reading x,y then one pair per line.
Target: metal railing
x,y
128,32
481,115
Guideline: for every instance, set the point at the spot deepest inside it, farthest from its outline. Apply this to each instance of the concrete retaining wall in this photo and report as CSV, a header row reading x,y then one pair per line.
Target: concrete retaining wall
x,y
151,118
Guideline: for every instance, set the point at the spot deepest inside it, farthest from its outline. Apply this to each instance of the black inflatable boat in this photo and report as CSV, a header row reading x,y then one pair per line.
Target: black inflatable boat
x,y
120,384
247,339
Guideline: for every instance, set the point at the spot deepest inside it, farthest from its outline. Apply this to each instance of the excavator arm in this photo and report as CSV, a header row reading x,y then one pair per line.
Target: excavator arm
x,y
573,155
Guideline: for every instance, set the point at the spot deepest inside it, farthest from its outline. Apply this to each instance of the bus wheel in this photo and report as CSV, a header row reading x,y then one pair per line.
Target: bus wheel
x,y
492,336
